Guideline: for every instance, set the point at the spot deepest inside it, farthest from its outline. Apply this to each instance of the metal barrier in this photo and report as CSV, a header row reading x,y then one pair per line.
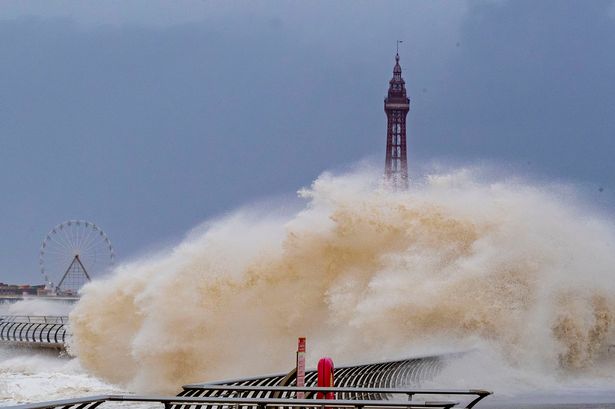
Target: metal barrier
x,y
379,381
46,319
345,394
390,374
39,331
234,402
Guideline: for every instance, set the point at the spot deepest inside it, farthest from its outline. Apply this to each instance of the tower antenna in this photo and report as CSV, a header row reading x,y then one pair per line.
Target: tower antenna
x,y
398,42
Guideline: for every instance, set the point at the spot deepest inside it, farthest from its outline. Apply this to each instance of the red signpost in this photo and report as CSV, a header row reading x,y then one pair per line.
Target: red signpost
x,y
301,367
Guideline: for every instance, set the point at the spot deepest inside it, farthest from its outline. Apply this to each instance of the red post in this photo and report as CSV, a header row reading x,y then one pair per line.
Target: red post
x,y
325,377
301,367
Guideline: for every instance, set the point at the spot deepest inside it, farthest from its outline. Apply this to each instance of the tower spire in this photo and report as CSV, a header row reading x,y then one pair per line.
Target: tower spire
x,y
396,107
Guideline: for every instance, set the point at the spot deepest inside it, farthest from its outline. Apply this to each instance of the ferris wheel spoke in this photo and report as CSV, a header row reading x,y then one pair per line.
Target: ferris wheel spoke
x,y
92,263
74,231
60,237
74,238
92,241
55,249
86,237
76,234
83,233
73,234
56,258
89,257
53,239
80,234
59,256
90,250
93,238
60,252
54,254
67,239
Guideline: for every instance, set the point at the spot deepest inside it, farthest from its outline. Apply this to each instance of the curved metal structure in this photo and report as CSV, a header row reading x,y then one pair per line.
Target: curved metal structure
x,y
36,331
391,374
377,381
232,401
93,402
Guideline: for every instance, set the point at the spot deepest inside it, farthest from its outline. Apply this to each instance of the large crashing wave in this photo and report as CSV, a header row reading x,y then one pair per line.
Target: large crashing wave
x,y
365,274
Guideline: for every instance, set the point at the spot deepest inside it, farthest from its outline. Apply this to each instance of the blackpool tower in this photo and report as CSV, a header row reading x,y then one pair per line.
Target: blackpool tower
x,y
396,106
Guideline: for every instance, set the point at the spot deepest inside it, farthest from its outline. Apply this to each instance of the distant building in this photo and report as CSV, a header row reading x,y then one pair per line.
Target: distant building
x,y
19,290
396,107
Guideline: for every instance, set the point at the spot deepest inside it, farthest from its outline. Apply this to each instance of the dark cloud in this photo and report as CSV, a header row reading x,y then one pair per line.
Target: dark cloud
x,y
150,129
531,81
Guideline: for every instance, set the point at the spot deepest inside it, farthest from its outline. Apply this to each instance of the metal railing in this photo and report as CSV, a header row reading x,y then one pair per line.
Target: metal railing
x,y
234,402
390,374
346,394
47,331
48,319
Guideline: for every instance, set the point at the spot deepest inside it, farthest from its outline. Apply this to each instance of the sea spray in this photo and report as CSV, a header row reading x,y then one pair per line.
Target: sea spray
x,y
36,306
29,376
365,274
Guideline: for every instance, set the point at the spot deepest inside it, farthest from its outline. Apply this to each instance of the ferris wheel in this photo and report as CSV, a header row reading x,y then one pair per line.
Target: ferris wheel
x,y
71,252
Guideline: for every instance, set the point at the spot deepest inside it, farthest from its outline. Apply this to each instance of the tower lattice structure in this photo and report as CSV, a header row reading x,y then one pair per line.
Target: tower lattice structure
x,y
396,107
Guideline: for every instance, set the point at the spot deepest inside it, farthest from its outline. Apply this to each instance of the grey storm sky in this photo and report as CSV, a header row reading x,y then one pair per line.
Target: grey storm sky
x,y
149,117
